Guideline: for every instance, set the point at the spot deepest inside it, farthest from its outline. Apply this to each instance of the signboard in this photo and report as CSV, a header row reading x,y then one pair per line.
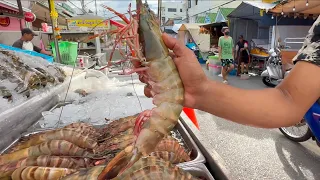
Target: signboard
x,y
4,21
67,7
96,23
29,17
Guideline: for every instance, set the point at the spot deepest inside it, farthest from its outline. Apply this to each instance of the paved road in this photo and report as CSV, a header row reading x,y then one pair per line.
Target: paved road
x,y
253,153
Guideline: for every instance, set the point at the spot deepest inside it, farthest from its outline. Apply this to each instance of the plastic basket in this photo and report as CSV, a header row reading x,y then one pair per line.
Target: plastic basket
x,y
32,53
214,60
68,52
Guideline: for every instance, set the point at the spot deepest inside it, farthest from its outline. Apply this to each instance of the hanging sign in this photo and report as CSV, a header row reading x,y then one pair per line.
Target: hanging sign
x,y
94,23
29,17
4,21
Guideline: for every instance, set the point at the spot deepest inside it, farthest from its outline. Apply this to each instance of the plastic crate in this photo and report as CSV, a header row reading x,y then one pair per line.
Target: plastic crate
x,y
32,53
68,52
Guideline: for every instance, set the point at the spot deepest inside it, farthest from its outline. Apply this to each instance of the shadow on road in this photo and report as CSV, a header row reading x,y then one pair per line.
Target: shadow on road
x,y
240,129
298,162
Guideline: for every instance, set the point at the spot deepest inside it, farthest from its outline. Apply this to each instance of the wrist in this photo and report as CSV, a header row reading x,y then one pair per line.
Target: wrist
x,y
202,94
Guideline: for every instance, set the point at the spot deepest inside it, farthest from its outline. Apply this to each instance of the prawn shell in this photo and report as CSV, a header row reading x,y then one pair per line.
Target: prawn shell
x,y
61,134
52,147
85,174
46,161
40,173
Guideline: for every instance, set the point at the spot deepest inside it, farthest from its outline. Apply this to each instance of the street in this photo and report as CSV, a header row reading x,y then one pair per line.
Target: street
x,y
254,153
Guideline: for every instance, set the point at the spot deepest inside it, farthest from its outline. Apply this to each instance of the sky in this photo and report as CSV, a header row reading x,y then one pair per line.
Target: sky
x,y
118,5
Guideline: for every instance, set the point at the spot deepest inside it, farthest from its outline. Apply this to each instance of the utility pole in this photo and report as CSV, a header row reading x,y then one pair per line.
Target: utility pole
x,y
95,3
159,11
83,6
54,25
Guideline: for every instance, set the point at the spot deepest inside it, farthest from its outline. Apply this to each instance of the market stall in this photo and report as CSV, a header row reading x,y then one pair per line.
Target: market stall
x,y
300,13
105,107
214,30
191,31
246,20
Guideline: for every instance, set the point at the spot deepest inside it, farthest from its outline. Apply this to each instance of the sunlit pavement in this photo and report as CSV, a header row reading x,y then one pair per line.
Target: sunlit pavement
x,y
253,153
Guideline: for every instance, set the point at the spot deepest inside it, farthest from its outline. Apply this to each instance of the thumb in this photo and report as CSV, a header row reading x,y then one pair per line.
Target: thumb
x,y
173,44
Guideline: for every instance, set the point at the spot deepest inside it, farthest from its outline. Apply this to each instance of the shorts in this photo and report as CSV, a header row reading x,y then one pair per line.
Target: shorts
x,y
244,59
226,62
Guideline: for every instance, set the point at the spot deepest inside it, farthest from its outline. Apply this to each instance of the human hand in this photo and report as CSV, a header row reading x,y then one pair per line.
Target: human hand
x,y
190,71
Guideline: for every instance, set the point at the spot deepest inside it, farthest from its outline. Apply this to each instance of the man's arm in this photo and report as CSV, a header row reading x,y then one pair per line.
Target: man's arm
x,y
219,48
237,49
39,50
282,106
17,44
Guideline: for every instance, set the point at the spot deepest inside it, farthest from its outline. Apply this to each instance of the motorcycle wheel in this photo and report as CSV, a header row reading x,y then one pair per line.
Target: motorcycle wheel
x,y
297,138
267,81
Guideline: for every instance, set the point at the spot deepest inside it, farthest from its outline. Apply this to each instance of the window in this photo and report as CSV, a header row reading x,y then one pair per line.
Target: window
x,y
172,10
180,10
163,20
189,3
196,2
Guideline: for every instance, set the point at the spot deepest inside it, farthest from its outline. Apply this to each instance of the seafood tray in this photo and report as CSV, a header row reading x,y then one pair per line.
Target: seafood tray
x,y
179,132
199,170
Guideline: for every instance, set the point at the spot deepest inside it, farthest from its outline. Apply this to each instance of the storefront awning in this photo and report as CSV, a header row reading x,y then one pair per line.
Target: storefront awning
x,y
176,27
217,24
42,12
250,10
202,40
300,7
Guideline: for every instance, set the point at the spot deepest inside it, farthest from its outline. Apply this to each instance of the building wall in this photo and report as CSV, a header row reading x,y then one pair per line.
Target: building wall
x,y
14,25
179,6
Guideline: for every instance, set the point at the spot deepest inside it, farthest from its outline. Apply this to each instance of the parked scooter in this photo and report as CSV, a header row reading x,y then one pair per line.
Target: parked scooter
x,y
274,74
309,125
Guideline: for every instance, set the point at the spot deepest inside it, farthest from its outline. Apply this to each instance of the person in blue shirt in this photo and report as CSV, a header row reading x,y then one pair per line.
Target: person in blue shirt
x,y
191,45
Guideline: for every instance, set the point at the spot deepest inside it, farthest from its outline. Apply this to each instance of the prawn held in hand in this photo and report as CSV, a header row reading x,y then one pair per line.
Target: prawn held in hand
x,y
161,74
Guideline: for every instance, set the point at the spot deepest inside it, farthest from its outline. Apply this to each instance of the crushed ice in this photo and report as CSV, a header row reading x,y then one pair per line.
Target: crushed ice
x,y
107,98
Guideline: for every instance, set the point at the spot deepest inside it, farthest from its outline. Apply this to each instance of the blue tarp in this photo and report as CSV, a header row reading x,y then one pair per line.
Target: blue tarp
x,y
32,53
191,46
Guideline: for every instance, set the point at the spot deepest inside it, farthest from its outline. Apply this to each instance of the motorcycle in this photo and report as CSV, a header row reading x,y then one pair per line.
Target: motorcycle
x,y
310,125
274,74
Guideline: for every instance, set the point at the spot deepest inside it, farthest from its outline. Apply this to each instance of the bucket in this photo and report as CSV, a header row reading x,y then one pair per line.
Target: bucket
x,y
214,69
68,52
214,60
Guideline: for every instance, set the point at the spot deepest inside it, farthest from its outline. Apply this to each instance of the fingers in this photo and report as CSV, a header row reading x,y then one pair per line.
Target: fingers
x,y
173,44
172,55
147,91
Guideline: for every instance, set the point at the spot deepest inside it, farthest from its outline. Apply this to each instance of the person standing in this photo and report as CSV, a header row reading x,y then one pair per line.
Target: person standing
x,y
226,54
25,42
242,55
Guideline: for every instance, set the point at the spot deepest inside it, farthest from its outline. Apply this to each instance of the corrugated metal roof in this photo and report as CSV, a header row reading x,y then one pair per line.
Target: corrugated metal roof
x,y
200,19
14,5
212,16
226,11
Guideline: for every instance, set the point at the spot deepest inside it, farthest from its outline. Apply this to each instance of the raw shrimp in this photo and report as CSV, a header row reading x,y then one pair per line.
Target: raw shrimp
x,y
61,134
161,74
40,173
52,147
